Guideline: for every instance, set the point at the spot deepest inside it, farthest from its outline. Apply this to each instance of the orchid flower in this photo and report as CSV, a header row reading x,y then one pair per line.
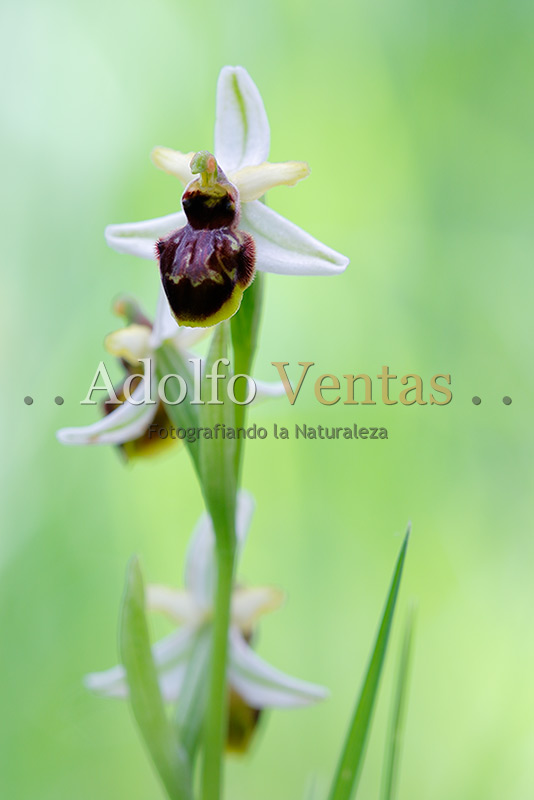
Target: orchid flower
x,y
208,251
253,683
128,424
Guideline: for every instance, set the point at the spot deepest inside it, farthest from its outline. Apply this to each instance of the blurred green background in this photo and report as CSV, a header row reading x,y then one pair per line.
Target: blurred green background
x,y
417,120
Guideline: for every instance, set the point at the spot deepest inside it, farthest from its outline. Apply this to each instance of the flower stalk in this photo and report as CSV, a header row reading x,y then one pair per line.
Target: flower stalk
x,y
219,489
217,714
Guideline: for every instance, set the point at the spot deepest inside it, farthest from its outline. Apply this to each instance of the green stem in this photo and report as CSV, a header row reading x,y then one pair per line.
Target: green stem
x,y
245,331
217,713
220,493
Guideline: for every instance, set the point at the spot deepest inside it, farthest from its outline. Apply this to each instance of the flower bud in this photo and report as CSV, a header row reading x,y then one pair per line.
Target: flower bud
x,y
128,307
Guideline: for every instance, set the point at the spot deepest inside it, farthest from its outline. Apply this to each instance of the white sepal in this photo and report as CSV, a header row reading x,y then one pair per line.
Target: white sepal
x,y
200,569
170,657
111,683
124,424
261,685
139,238
284,248
267,389
199,573
242,136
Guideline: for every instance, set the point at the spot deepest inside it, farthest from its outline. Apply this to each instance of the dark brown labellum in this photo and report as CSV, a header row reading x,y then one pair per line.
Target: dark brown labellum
x,y
206,266
204,273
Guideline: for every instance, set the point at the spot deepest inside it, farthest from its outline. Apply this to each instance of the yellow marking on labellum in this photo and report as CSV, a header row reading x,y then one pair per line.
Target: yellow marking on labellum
x,y
212,199
208,275
232,273
214,276
227,310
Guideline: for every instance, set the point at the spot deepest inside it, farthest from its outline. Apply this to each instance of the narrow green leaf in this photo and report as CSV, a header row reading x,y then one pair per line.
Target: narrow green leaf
x,y
245,329
394,743
145,696
183,415
350,763
217,454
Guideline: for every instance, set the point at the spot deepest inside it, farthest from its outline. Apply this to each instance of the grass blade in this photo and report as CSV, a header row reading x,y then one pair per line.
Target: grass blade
x,y
348,770
393,745
145,695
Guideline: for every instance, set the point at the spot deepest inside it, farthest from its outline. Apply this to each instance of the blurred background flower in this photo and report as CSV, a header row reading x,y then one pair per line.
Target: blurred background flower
x,y
253,683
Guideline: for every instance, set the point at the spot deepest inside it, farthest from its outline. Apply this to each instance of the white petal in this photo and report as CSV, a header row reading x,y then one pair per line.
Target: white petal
x,y
124,424
261,685
139,238
131,343
242,135
173,648
200,568
248,605
199,577
170,657
254,182
178,605
285,248
174,163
